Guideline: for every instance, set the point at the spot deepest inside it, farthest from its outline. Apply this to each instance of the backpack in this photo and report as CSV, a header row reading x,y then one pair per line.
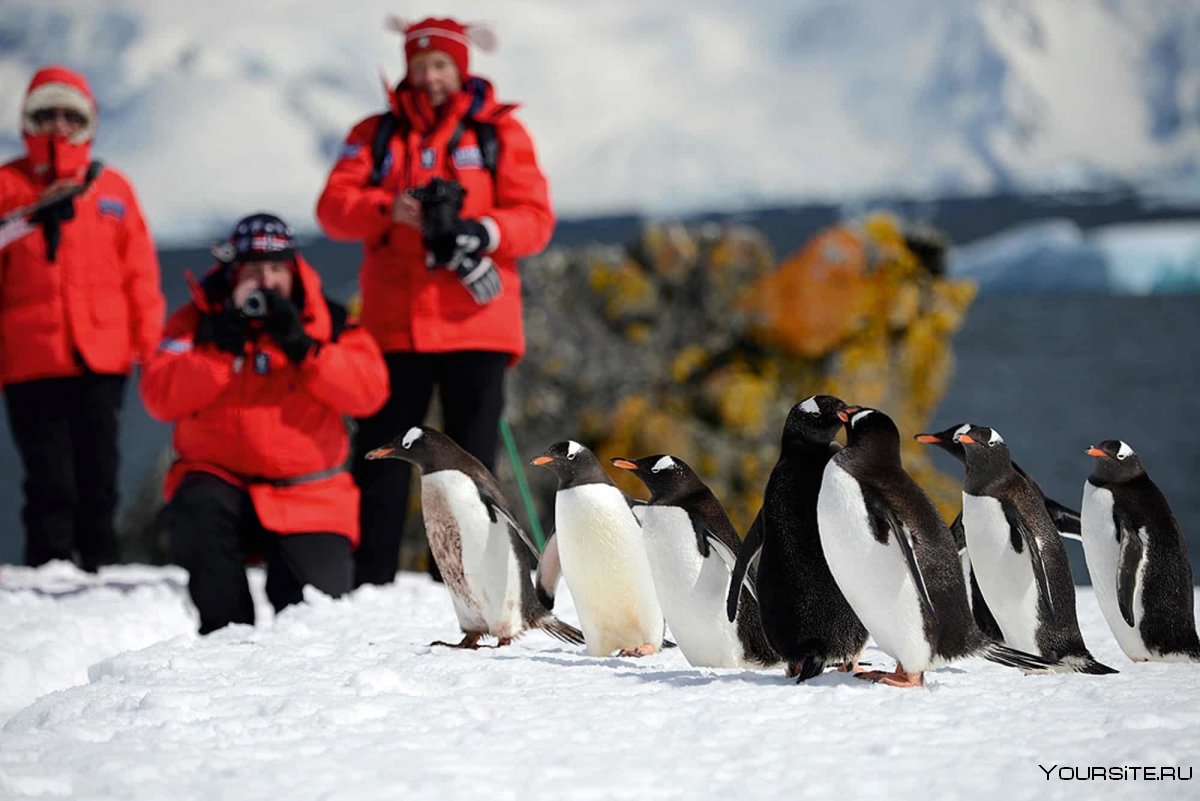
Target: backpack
x,y
485,135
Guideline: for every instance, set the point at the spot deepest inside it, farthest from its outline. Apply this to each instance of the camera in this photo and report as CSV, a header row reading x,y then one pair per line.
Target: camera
x,y
255,305
441,202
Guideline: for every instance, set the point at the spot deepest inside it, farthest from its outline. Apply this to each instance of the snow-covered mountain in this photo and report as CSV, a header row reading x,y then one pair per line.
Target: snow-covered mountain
x,y
221,107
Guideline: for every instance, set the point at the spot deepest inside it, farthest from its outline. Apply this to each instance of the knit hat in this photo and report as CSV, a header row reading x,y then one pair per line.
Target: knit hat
x,y
448,35
59,87
258,237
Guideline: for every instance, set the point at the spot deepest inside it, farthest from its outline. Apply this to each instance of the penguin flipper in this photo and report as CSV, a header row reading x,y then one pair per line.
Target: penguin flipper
x,y
496,511
885,524
548,571
1066,520
1129,563
751,545
959,533
1018,527
703,535
726,555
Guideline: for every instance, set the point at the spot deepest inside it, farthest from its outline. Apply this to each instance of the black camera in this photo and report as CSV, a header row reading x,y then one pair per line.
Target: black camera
x,y
441,202
255,305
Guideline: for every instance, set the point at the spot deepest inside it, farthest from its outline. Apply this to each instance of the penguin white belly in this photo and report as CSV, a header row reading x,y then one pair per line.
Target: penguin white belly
x,y
1102,552
1005,577
474,554
873,576
691,590
605,566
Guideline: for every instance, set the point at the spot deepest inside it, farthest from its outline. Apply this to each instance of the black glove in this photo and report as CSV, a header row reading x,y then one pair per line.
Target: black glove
x,y
282,322
226,329
474,268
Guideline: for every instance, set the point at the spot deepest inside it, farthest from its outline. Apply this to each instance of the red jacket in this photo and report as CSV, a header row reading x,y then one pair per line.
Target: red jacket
x,y
243,420
406,306
99,299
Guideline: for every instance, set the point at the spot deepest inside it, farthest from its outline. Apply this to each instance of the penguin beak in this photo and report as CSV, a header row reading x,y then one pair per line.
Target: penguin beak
x,y
1094,451
542,460
965,439
928,439
381,453
624,464
846,412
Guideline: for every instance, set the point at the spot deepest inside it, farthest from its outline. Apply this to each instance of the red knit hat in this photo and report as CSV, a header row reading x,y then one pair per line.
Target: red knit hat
x,y
448,35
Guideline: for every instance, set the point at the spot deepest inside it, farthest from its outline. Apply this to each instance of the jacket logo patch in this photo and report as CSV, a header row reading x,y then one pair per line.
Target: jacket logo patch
x,y
428,158
112,207
468,157
349,150
262,363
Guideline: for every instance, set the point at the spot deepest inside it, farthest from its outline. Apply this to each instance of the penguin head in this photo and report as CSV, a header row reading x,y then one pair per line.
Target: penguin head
x,y
983,447
574,464
415,445
663,475
813,420
945,440
1115,462
870,431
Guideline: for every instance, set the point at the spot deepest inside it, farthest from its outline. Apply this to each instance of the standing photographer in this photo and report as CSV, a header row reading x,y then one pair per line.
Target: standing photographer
x,y
445,193
256,373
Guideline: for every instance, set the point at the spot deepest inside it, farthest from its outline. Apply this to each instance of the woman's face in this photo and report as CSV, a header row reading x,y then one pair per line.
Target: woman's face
x,y
436,73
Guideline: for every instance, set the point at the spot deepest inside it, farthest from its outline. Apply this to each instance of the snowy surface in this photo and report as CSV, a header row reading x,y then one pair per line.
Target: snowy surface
x,y
217,107
345,700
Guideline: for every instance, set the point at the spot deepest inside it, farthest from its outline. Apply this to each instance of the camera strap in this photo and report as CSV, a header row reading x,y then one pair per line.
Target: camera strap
x,y
389,123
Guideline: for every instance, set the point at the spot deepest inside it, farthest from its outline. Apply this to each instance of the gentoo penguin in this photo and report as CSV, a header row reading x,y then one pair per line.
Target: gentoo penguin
x,y
483,554
893,557
1019,559
1137,559
603,559
690,577
804,614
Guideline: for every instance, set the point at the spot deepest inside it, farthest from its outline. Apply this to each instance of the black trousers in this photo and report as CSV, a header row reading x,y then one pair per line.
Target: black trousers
x,y
66,432
471,390
212,528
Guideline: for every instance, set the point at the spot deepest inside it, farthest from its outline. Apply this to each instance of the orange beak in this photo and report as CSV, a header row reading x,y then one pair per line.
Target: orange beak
x,y
381,453
624,464
928,439
965,439
1093,451
542,460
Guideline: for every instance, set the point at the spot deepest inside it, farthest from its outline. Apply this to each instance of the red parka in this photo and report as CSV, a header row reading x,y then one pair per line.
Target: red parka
x,y
406,306
255,418
100,298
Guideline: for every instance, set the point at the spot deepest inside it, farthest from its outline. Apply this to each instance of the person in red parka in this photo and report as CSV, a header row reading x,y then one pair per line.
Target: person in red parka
x,y
441,292
256,373
80,304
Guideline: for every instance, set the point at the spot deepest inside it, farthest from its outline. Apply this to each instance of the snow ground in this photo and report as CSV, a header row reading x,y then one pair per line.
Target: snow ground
x,y
107,693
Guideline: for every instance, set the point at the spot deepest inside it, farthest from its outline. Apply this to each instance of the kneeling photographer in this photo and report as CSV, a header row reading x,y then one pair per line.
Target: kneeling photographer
x,y
256,373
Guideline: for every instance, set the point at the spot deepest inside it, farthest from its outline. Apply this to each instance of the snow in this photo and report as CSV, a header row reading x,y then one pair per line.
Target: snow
x,y
220,107
345,700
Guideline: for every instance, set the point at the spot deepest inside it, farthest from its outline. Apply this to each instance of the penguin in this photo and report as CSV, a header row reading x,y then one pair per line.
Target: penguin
x,y
1019,559
805,616
894,558
483,554
679,526
603,559
1137,558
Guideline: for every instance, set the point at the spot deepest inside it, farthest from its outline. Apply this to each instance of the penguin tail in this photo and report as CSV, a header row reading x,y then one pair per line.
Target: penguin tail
x,y
809,668
1086,663
1011,657
559,630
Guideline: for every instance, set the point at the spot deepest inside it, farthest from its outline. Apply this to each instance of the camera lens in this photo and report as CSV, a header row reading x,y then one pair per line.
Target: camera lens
x,y
255,304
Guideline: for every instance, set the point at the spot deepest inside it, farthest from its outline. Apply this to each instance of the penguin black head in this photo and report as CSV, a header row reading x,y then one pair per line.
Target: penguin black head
x,y
871,431
813,421
1115,462
945,440
420,445
983,447
665,476
573,463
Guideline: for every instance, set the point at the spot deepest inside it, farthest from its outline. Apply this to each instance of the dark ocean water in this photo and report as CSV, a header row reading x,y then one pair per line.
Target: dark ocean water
x,y
1056,374
1053,374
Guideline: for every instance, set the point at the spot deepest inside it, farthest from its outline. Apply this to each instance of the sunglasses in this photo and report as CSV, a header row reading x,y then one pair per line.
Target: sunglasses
x,y
70,116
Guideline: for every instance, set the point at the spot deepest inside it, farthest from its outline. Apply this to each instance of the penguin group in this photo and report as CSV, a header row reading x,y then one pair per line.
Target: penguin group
x,y
845,548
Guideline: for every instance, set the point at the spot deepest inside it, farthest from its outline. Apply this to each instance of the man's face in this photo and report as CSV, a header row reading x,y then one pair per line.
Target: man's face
x,y
59,121
436,73
276,275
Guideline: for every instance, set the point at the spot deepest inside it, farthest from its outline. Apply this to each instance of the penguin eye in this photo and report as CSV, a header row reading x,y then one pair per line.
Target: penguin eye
x,y
570,457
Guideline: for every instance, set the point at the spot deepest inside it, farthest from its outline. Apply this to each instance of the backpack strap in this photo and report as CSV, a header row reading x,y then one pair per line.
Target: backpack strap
x,y
388,123
485,135
339,319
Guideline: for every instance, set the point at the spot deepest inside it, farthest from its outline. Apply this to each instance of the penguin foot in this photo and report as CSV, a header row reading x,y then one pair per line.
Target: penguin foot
x,y
645,649
897,678
852,667
468,641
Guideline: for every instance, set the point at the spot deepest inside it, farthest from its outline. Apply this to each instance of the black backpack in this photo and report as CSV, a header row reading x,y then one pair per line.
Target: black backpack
x,y
485,135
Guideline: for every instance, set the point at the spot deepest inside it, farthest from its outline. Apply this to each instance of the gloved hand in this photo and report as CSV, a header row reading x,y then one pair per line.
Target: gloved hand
x,y
282,322
226,329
